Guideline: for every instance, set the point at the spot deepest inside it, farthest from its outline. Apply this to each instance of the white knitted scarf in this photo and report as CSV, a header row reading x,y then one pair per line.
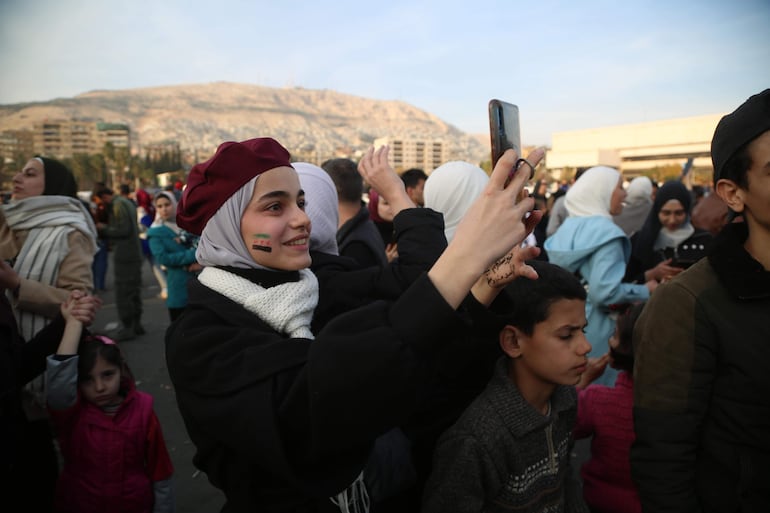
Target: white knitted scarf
x,y
287,308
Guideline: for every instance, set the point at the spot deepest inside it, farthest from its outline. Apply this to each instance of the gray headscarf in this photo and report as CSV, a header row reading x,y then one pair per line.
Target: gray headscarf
x,y
221,242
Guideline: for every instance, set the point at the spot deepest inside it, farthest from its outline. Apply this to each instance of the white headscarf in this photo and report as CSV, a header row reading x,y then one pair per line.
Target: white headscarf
x,y
171,221
639,191
451,189
221,242
321,207
591,194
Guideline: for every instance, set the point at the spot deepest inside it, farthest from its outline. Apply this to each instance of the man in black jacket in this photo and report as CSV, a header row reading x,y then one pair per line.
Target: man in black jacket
x,y
357,237
702,372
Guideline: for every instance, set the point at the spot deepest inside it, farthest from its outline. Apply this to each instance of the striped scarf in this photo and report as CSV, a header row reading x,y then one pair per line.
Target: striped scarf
x,y
48,221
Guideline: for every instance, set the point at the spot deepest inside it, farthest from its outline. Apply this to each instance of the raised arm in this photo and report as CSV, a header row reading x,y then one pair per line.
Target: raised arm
x,y
493,225
376,171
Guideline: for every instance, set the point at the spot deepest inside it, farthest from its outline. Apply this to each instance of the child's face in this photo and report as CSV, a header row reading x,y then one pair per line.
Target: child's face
x,y
556,352
102,385
274,226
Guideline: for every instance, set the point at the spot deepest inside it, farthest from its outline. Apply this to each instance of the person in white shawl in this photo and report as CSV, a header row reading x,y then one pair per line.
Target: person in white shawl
x,y
50,238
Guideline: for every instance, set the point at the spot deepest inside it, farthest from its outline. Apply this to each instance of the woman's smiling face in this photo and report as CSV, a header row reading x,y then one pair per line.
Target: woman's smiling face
x,y
274,225
672,214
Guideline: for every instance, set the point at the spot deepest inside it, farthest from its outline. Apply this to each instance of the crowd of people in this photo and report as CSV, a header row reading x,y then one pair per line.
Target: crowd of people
x,y
346,338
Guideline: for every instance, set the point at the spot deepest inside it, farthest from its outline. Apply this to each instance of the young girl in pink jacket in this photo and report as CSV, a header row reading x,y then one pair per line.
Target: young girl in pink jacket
x,y
115,458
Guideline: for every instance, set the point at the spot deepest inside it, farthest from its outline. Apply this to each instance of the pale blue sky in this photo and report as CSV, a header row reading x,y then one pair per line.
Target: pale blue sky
x,y
568,65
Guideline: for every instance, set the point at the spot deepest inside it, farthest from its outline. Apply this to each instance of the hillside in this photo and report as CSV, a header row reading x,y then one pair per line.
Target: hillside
x,y
200,116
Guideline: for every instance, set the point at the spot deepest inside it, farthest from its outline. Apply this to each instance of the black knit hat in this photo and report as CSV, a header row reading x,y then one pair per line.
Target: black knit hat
x,y
59,181
745,124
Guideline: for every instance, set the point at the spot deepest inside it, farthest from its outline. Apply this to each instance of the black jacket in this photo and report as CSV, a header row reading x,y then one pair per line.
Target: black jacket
x,y
360,240
19,363
281,424
344,284
702,386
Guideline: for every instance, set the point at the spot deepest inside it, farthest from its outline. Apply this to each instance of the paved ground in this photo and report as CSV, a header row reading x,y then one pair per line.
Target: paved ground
x,y
146,357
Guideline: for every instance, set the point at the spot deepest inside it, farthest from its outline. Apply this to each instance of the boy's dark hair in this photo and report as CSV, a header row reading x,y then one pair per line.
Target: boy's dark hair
x,y
344,174
530,300
124,189
623,355
90,349
411,177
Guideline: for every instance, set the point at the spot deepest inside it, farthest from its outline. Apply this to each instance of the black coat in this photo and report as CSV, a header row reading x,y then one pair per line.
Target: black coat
x,y
19,363
283,423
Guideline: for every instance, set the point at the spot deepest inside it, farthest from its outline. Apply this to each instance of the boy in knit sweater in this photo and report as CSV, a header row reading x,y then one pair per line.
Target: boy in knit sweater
x,y
510,449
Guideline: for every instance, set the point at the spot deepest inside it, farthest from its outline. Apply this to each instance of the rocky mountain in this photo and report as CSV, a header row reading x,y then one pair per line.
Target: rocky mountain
x,y
200,116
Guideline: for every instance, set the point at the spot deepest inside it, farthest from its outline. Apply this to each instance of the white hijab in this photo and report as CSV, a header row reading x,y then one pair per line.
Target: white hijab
x,y
451,189
639,191
591,194
321,207
221,242
171,221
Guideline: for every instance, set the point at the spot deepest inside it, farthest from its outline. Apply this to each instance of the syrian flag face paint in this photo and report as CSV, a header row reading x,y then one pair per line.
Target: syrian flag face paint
x,y
262,242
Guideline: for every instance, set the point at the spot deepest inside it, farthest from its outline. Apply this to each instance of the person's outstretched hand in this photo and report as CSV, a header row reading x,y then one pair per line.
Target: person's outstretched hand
x,y
376,171
495,223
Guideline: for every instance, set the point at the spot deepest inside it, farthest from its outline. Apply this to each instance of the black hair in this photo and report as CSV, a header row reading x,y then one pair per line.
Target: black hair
x,y
623,354
344,174
411,177
530,300
124,189
93,347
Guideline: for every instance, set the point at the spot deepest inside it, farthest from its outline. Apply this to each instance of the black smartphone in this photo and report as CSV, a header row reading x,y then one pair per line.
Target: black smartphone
x,y
504,130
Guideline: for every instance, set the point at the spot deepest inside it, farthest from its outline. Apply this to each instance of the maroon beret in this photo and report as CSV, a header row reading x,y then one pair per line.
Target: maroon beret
x,y
211,183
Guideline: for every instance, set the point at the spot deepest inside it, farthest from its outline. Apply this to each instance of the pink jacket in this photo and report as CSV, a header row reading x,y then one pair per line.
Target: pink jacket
x,y
606,413
110,462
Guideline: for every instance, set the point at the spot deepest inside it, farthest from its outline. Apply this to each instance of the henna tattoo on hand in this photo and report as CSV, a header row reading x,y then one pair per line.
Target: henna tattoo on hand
x,y
500,271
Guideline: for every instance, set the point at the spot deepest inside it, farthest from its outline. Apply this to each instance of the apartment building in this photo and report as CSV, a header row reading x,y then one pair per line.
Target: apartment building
x,y
16,144
409,152
65,138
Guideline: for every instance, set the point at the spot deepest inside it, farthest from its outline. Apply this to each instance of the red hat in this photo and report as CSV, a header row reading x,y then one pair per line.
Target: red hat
x,y
211,183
